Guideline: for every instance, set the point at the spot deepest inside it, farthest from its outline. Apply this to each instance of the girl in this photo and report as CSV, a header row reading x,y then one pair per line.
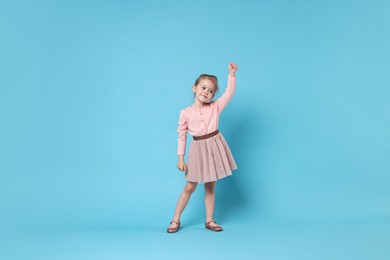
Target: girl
x,y
209,156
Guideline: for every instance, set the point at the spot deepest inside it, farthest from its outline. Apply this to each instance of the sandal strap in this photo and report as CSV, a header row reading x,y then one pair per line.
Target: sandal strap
x,y
207,223
175,221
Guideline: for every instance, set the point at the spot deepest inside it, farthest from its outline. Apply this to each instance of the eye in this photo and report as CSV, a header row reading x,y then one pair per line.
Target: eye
x,y
211,91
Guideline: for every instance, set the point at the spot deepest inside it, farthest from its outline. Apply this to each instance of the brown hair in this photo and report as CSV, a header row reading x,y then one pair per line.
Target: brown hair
x,y
213,78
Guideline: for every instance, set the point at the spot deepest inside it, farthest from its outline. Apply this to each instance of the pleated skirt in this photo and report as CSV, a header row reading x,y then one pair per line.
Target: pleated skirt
x,y
209,160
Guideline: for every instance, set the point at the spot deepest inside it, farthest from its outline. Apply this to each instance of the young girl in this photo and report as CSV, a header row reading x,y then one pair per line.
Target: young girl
x,y
209,156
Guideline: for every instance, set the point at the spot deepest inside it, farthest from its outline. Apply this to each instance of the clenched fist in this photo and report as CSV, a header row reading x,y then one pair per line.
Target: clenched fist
x,y
233,68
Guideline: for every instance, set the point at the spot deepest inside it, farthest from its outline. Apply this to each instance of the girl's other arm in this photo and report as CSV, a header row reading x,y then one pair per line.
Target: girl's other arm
x,y
182,140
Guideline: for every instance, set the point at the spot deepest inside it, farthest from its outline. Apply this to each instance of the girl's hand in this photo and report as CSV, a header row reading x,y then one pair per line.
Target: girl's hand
x,y
233,68
182,166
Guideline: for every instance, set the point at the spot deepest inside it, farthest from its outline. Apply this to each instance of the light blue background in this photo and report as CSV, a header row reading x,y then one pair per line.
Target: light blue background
x,y
89,104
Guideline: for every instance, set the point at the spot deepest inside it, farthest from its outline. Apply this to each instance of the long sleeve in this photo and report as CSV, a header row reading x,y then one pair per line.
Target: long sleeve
x,y
182,133
228,94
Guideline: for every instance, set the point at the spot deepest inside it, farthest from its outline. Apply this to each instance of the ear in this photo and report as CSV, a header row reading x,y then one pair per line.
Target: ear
x,y
194,88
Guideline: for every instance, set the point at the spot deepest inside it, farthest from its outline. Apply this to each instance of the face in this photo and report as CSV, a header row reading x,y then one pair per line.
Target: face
x,y
204,91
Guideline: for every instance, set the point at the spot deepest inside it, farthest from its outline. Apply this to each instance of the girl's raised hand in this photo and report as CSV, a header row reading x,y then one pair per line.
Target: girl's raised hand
x,y
233,67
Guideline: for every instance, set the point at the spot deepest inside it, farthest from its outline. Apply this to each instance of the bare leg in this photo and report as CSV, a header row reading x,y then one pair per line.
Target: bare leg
x,y
209,200
183,200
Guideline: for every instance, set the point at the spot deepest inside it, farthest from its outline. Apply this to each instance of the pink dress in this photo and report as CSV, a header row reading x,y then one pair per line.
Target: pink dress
x,y
209,159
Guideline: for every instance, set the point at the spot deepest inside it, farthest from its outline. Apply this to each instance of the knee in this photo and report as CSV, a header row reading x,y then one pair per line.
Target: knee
x,y
190,188
209,187
209,191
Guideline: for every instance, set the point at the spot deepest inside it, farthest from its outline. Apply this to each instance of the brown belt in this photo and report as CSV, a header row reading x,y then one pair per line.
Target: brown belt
x,y
202,137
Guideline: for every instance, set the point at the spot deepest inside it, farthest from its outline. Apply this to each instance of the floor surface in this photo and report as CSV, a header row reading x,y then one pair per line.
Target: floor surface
x,y
260,240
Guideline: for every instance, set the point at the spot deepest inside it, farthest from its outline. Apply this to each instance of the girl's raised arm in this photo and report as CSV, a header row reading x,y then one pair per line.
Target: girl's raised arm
x,y
230,89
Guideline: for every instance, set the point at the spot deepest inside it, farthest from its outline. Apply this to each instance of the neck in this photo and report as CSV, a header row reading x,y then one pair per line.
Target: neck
x,y
198,104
